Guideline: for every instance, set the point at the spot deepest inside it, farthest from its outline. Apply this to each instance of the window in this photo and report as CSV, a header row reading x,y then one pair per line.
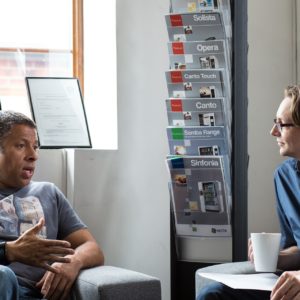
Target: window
x,y
37,41
45,38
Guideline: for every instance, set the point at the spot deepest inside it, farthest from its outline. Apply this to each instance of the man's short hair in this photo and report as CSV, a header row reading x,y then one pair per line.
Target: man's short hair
x,y
293,92
10,118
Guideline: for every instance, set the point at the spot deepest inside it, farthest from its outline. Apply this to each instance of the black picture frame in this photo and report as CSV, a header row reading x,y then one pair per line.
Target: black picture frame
x,y
58,110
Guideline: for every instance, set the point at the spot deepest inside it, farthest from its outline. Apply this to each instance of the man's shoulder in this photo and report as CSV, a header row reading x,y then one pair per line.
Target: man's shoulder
x,y
41,186
287,166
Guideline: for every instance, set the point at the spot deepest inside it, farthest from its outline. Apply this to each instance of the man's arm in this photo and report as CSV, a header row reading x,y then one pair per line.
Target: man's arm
x,y
24,249
87,251
289,259
87,254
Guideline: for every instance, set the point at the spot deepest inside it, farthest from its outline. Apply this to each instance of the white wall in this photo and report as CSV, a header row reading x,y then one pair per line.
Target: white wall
x,y
271,68
123,195
51,167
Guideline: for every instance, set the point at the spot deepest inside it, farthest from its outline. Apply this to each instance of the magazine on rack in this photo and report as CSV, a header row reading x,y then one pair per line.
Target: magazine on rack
x,y
198,140
197,84
200,195
203,141
222,6
196,112
199,55
195,27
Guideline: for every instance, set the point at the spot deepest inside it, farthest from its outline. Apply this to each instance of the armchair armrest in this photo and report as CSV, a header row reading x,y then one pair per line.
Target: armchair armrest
x,y
107,283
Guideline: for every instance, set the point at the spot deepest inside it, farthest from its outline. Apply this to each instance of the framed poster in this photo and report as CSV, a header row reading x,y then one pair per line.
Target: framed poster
x,y
58,110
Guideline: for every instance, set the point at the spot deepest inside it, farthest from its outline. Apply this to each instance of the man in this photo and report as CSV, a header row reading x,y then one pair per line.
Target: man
x,y
45,244
286,129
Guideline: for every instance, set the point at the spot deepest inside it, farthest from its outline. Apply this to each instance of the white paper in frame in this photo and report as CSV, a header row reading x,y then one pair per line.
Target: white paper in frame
x,y
58,110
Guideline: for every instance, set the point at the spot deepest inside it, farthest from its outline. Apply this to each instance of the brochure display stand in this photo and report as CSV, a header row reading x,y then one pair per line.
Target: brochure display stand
x,y
207,136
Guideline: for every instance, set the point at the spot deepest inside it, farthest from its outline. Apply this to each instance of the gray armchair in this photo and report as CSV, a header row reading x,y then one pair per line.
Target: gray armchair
x,y
112,283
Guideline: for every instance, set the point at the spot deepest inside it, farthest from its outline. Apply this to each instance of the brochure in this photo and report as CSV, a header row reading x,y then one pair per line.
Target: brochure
x,y
192,6
199,55
196,112
195,27
198,140
200,195
196,83
202,141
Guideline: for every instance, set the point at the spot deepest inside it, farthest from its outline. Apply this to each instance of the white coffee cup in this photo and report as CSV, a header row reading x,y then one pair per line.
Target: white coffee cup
x,y
265,250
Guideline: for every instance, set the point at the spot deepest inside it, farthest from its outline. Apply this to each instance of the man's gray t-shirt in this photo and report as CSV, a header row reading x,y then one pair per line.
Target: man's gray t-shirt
x,y
22,209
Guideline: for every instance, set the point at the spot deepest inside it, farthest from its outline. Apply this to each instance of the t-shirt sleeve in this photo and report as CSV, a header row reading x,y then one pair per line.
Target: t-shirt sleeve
x,y
287,237
68,219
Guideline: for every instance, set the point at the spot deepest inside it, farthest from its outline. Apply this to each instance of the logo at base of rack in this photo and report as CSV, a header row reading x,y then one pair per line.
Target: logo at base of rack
x,y
221,230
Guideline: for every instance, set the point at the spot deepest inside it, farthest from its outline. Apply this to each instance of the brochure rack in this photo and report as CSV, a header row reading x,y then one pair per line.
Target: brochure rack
x,y
207,87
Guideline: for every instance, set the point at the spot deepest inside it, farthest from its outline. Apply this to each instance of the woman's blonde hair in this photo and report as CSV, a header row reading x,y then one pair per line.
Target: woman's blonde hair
x,y
293,92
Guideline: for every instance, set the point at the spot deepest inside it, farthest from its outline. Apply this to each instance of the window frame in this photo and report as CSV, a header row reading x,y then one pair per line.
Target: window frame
x,y
78,51
77,38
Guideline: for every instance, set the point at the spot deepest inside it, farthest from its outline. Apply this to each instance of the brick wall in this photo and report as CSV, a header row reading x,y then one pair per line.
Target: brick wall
x,y
16,65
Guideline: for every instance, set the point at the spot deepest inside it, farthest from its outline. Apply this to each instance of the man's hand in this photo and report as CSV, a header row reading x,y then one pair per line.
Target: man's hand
x,y
250,251
287,286
58,285
35,251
